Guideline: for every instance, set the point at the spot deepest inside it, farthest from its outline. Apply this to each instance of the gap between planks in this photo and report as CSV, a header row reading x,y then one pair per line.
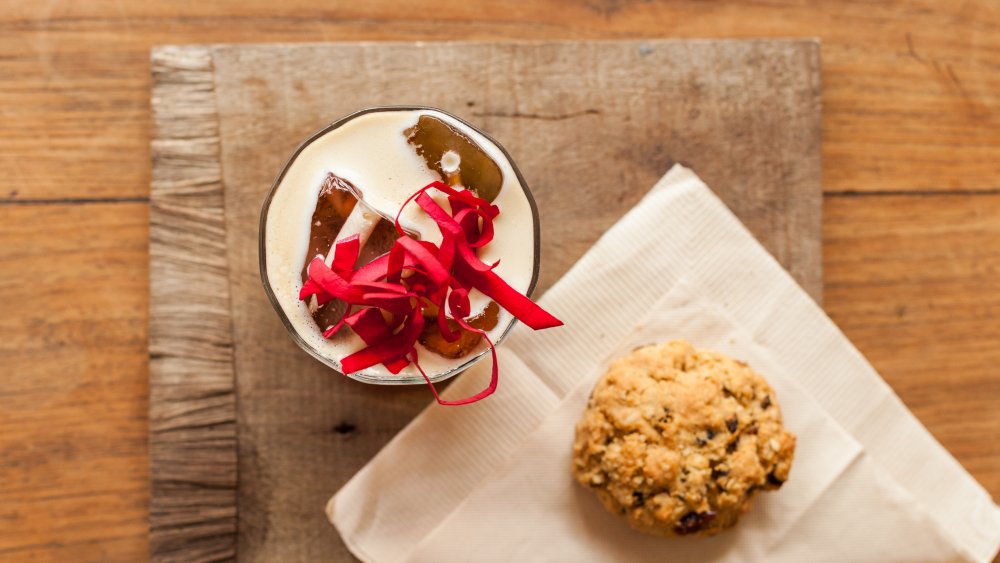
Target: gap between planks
x,y
74,201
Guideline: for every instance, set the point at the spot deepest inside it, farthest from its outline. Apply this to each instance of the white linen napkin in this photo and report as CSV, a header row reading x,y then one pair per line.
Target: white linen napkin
x,y
491,481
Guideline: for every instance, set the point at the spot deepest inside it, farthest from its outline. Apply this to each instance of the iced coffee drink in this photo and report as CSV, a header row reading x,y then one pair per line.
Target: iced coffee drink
x,y
398,245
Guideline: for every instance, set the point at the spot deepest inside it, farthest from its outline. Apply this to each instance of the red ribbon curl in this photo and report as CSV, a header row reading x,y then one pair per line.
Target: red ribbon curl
x,y
393,290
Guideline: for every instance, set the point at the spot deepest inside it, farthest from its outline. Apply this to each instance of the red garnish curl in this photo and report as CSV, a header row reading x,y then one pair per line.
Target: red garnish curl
x,y
390,319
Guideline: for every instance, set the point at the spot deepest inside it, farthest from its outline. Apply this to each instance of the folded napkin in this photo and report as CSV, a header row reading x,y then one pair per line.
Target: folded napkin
x,y
491,481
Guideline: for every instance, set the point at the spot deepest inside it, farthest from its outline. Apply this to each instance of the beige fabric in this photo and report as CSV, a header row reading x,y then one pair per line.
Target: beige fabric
x,y
492,482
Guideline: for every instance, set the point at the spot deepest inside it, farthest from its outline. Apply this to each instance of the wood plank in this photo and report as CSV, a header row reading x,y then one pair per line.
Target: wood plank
x,y
192,403
591,126
913,281
911,87
73,433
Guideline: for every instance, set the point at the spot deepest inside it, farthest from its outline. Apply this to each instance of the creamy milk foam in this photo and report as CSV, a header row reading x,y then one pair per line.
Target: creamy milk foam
x,y
371,151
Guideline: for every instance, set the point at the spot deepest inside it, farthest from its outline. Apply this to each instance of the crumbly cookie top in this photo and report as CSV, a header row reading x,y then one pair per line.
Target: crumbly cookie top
x,y
679,440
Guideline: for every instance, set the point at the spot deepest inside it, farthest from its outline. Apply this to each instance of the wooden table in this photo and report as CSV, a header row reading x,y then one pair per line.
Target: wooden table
x,y
911,162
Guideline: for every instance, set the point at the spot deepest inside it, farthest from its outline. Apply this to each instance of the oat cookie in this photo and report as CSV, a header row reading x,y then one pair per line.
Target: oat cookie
x,y
679,440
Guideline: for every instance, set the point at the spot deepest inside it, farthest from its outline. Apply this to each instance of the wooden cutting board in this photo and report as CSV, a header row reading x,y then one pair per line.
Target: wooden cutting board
x,y
248,435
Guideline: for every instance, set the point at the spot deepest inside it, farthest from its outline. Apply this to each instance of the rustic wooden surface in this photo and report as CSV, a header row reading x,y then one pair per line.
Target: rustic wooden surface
x,y
192,426
911,136
592,126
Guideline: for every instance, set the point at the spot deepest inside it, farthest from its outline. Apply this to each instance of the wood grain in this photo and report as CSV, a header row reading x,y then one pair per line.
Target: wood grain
x,y
910,105
914,282
911,87
591,125
73,406
192,417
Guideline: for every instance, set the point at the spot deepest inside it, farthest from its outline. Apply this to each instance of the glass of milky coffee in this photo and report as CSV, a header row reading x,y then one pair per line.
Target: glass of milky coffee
x,y
345,285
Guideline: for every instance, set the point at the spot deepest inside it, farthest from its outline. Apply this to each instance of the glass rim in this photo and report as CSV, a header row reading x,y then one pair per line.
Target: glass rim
x,y
262,255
